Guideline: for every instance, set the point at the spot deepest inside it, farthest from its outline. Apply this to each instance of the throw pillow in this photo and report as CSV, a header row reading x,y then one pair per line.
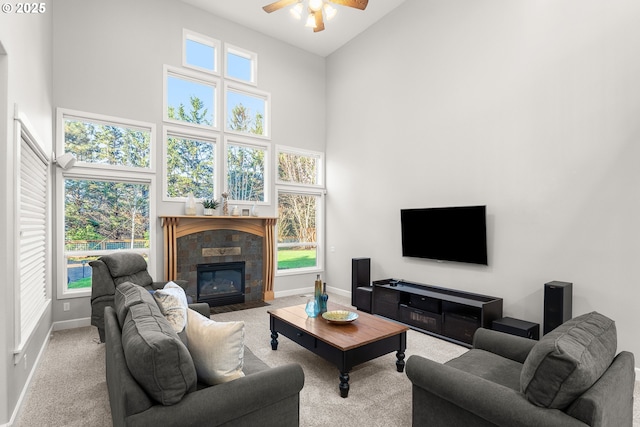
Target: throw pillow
x,y
217,348
173,305
156,357
568,360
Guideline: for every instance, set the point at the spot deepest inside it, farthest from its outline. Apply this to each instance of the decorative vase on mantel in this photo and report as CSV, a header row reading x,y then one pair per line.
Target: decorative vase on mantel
x,y
190,205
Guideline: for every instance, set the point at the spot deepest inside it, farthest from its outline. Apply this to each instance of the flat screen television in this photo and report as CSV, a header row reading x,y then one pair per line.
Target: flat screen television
x,y
456,233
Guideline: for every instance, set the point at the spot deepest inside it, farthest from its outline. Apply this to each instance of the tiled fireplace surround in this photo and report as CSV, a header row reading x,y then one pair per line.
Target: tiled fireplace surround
x,y
193,240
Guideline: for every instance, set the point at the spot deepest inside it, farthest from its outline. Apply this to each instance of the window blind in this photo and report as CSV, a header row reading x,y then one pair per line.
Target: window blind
x,y
33,219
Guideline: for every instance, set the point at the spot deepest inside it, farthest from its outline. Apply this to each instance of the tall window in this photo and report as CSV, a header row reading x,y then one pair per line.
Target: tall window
x,y
106,198
101,217
300,207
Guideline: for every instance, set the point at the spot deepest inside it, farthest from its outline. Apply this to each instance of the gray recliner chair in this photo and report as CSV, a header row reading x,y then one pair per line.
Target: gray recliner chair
x,y
571,377
110,271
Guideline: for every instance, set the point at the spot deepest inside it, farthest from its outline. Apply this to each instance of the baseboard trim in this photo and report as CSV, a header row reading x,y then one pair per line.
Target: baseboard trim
x,y
36,364
71,324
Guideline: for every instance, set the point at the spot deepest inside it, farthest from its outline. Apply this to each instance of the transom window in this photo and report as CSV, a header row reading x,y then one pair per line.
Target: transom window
x,y
101,142
241,65
299,167
200,52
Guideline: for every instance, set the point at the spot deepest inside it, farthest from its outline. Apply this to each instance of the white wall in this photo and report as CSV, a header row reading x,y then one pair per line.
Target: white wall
x,y
25,79
530,107
109,57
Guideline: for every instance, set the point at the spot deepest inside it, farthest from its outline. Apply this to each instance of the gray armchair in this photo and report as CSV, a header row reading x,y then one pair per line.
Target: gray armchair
x,y
110,271
497,382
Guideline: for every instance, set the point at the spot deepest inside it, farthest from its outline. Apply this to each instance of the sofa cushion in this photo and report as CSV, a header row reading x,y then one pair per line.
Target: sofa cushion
x,y
217,348
569,360
173,304
156,357
129,294
127,267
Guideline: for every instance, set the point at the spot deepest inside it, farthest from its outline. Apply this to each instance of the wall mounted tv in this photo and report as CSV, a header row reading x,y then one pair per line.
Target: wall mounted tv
x,y
456,233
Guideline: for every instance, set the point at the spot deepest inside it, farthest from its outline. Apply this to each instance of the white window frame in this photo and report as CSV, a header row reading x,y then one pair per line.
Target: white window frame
x,y
181,132
251,143
244,53
24,328
207,41
64,113
89,171
304,189
249,91
321,194
301,152
196,77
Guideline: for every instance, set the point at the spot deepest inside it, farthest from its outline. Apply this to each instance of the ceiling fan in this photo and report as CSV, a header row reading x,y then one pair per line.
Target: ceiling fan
x,y
315,7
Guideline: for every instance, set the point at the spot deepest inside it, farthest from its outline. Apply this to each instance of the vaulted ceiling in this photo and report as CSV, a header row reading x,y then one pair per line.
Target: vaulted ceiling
x,y
347,24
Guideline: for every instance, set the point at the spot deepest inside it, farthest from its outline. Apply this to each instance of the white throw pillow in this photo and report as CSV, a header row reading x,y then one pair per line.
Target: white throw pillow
x,y
217,348
173,304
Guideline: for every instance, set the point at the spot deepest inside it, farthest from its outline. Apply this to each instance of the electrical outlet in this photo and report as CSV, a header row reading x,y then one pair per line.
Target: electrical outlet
x,y
65,306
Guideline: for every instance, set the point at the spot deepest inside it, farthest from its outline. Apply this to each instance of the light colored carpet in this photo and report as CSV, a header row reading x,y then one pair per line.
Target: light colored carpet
x,y
69,388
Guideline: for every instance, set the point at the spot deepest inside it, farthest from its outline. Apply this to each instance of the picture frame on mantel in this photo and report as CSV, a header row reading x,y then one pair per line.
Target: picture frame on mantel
x,y
246,212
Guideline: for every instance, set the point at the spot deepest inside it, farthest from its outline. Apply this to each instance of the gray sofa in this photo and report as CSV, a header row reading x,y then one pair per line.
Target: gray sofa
x,y
160,369
111,270
571,377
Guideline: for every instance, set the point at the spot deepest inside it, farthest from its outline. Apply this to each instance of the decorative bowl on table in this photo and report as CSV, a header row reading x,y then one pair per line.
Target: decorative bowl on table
x,y
340,316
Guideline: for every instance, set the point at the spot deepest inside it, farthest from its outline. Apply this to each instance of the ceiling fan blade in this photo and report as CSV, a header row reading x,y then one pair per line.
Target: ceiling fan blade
x,y
278,5
358,4
319,21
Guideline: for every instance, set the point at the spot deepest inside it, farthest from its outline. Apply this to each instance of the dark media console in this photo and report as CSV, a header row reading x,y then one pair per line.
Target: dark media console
x,y
445,313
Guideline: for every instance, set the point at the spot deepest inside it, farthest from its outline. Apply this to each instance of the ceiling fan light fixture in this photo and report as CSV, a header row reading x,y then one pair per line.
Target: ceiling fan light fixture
x,y
311,21
329,11
296,11
315,5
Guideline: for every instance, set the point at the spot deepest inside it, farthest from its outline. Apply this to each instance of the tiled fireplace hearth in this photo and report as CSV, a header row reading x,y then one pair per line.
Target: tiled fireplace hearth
x,y
190,241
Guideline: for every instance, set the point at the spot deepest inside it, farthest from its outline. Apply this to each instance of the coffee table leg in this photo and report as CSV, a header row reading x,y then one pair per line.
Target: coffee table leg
x,y
344,384
274,340
400,361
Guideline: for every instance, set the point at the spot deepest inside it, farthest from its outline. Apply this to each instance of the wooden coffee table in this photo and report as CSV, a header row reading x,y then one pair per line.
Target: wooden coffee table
x,y
344,345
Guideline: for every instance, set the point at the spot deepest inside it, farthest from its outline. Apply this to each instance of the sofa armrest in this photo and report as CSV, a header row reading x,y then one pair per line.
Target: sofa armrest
x,y
202,308
267,398
509,346
484,399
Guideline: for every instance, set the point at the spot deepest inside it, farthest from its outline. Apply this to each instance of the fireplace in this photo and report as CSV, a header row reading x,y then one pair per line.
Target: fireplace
x,y
221,283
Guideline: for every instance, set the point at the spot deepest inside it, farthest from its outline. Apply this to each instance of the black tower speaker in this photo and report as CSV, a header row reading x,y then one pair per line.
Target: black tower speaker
x,y
557,304
361,278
